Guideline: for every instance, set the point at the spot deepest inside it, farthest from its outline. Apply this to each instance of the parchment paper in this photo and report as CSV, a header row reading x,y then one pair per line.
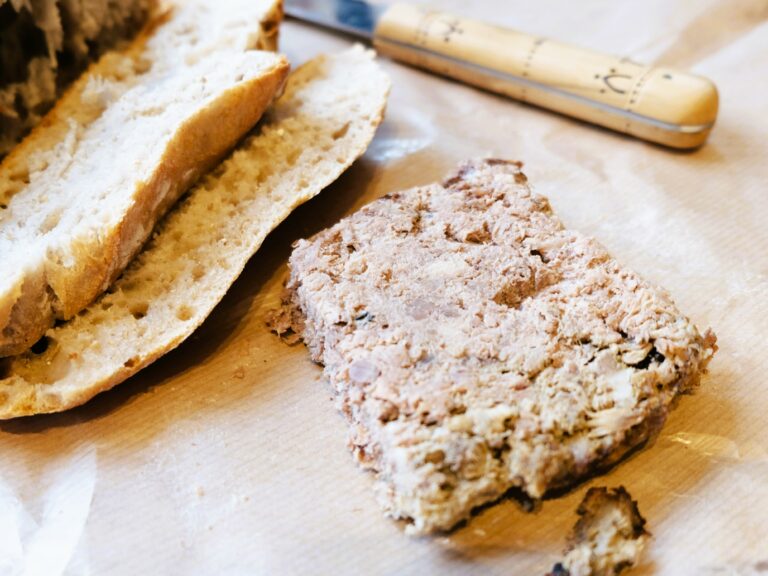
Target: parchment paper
x,y
228,457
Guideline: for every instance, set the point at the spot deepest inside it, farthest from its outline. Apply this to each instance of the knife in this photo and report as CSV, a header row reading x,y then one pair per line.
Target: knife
x,y
658,104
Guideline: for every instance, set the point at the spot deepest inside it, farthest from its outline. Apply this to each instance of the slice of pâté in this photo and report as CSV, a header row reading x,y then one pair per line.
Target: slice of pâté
x,y
476,345
608,537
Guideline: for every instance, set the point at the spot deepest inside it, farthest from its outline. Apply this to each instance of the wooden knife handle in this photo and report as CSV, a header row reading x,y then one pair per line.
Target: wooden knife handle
x,y
661,105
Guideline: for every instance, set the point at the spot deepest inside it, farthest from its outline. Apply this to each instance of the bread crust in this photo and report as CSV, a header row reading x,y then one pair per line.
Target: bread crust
x,y
269,36
54,124
58,292
74,34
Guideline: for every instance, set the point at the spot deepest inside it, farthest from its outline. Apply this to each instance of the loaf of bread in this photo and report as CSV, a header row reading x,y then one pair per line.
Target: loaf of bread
x,y
323,122
46,44
476,345
81,194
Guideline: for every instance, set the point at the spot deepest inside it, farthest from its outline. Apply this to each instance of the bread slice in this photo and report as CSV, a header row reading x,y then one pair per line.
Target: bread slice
x,y
608,537
323,122
46,44
81,194
476,345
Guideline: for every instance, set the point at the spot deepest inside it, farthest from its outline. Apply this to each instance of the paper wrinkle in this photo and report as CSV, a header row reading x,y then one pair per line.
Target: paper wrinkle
x,y
720,447
16,525
206,503
45,545
650,208
721,24
416,132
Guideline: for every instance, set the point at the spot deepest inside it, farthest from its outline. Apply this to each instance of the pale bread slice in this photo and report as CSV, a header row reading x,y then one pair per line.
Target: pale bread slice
x,y
80,195
325,120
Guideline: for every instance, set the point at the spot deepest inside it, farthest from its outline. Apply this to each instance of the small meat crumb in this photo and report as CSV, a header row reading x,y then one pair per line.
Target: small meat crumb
x,y
608,537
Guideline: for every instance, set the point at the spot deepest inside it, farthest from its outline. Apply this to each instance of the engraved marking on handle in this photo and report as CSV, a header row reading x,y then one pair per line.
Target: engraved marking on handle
x,y
535,45
454,28
429,20
634,96
607,79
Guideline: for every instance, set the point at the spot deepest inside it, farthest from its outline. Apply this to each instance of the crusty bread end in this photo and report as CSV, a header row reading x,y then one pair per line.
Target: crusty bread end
x,y
81,194
46,44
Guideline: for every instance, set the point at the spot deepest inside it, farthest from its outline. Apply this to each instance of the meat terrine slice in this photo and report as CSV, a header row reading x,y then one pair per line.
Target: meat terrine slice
x,y
476,345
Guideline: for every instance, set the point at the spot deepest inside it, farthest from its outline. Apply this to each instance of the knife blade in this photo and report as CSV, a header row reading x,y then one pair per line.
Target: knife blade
x,y
657,104
350,16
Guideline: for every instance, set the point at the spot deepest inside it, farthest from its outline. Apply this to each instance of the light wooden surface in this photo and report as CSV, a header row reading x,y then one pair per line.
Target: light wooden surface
x,y
227,456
